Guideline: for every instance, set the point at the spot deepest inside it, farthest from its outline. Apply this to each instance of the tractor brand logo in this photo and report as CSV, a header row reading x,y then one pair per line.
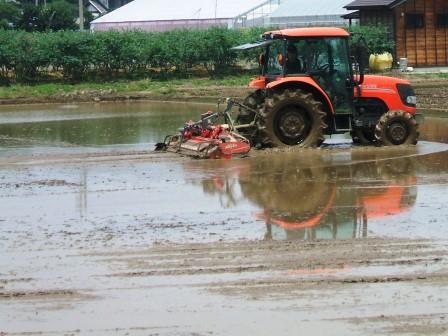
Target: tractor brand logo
x,y
231,146
374,87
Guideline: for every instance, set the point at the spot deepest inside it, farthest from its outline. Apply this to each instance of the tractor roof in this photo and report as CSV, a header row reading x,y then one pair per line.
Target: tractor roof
x,y
309,32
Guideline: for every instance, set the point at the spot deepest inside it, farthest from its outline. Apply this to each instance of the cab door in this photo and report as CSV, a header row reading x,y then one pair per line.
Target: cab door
x,y
327,61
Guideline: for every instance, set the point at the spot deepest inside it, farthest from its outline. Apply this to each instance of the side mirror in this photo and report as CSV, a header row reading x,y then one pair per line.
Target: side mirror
x,y
261,59
361,57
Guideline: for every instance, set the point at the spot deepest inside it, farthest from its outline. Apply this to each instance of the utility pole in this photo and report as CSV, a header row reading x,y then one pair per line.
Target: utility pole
x,y
216,8
81,15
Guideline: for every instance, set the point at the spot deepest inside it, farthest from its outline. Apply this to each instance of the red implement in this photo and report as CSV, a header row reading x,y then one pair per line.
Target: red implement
x,y
205,139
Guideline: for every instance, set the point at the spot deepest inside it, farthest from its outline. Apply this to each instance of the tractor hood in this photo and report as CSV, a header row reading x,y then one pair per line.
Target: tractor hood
x,y
394,92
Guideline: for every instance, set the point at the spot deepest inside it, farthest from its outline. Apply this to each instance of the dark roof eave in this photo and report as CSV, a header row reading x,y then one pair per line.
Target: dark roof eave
x,y
353,15
364,7
386,4
397,3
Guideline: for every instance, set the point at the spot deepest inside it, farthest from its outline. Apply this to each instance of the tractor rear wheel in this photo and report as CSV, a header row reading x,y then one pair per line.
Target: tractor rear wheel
x,y
292,118
254,100
397,128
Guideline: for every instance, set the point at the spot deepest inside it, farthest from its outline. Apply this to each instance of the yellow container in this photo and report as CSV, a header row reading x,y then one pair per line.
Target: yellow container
x,y
381,62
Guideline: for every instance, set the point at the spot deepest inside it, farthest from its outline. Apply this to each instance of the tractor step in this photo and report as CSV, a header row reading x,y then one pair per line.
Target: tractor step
x,y
342,122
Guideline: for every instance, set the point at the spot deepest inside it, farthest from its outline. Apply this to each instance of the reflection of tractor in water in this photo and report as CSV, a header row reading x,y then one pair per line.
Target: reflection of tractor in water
x,y
311,86
320,201
327,204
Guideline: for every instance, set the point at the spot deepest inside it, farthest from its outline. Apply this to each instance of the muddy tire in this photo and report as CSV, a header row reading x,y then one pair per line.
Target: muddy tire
x,y
363,136
292,118
397,128
254,100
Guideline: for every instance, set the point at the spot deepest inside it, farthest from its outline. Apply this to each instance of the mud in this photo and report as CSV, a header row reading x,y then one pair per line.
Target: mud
x,y
107,237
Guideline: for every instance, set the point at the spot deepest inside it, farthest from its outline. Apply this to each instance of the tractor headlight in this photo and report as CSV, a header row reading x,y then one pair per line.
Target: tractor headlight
x,y
407,94
411,100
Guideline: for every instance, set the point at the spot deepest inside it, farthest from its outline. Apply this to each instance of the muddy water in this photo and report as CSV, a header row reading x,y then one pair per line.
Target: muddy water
x,y
119,124
92,125
434,129
338,192
109,238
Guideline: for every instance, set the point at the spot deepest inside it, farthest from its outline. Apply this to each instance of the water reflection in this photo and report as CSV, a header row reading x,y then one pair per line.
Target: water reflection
x,y
314,196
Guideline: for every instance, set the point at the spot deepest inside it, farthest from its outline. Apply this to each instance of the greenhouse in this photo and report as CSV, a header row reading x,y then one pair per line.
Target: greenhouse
x,y
294,13
156,15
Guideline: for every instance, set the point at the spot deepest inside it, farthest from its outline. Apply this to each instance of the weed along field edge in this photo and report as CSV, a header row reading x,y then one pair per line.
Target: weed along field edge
x,y
431,90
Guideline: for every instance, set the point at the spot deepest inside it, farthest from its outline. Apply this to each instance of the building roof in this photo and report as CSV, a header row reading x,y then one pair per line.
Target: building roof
x,y
358,4
161,10
310,32
351,15
299,8
99,7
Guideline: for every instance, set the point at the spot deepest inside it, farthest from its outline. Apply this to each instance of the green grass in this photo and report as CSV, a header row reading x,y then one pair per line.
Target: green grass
x,y
442,75
162,87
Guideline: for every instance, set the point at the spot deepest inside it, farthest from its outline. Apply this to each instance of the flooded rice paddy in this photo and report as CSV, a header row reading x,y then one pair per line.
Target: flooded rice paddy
x,y
100,235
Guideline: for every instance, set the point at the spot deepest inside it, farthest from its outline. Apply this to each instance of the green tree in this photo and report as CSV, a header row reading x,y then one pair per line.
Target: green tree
x,y
59,15
376,37
29,21
9,14
56,15
7,51
215,49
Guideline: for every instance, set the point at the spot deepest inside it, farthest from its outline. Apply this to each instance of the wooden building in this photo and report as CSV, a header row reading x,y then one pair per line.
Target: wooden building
x,y
419,27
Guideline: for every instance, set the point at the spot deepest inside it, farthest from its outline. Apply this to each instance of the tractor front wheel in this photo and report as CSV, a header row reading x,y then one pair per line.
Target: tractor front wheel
x,y
293,118
397,128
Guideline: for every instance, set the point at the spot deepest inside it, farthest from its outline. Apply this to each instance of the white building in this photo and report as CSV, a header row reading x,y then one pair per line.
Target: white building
x,y
162,15
294,13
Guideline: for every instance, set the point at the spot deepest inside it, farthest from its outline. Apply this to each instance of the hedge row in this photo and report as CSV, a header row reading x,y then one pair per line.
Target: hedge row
x,y
29,57
76,55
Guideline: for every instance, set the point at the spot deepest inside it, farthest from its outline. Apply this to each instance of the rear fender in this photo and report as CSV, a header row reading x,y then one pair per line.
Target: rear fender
x,y
306,84
258,83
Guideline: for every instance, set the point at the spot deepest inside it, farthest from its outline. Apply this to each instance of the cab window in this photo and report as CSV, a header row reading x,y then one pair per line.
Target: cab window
x,y
295,60
274,58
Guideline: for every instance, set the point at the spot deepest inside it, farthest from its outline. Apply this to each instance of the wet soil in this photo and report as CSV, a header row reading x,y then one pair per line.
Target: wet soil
x,y
107,237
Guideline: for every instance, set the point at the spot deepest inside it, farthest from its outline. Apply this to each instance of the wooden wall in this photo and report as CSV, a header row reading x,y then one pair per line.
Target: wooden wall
x,y
425,46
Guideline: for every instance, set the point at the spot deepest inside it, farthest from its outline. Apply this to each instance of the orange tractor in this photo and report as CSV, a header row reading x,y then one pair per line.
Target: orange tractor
x,y
310,87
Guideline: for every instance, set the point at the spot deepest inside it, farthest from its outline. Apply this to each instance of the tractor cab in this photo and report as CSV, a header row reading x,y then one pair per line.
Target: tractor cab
x,y
326,60
310,86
